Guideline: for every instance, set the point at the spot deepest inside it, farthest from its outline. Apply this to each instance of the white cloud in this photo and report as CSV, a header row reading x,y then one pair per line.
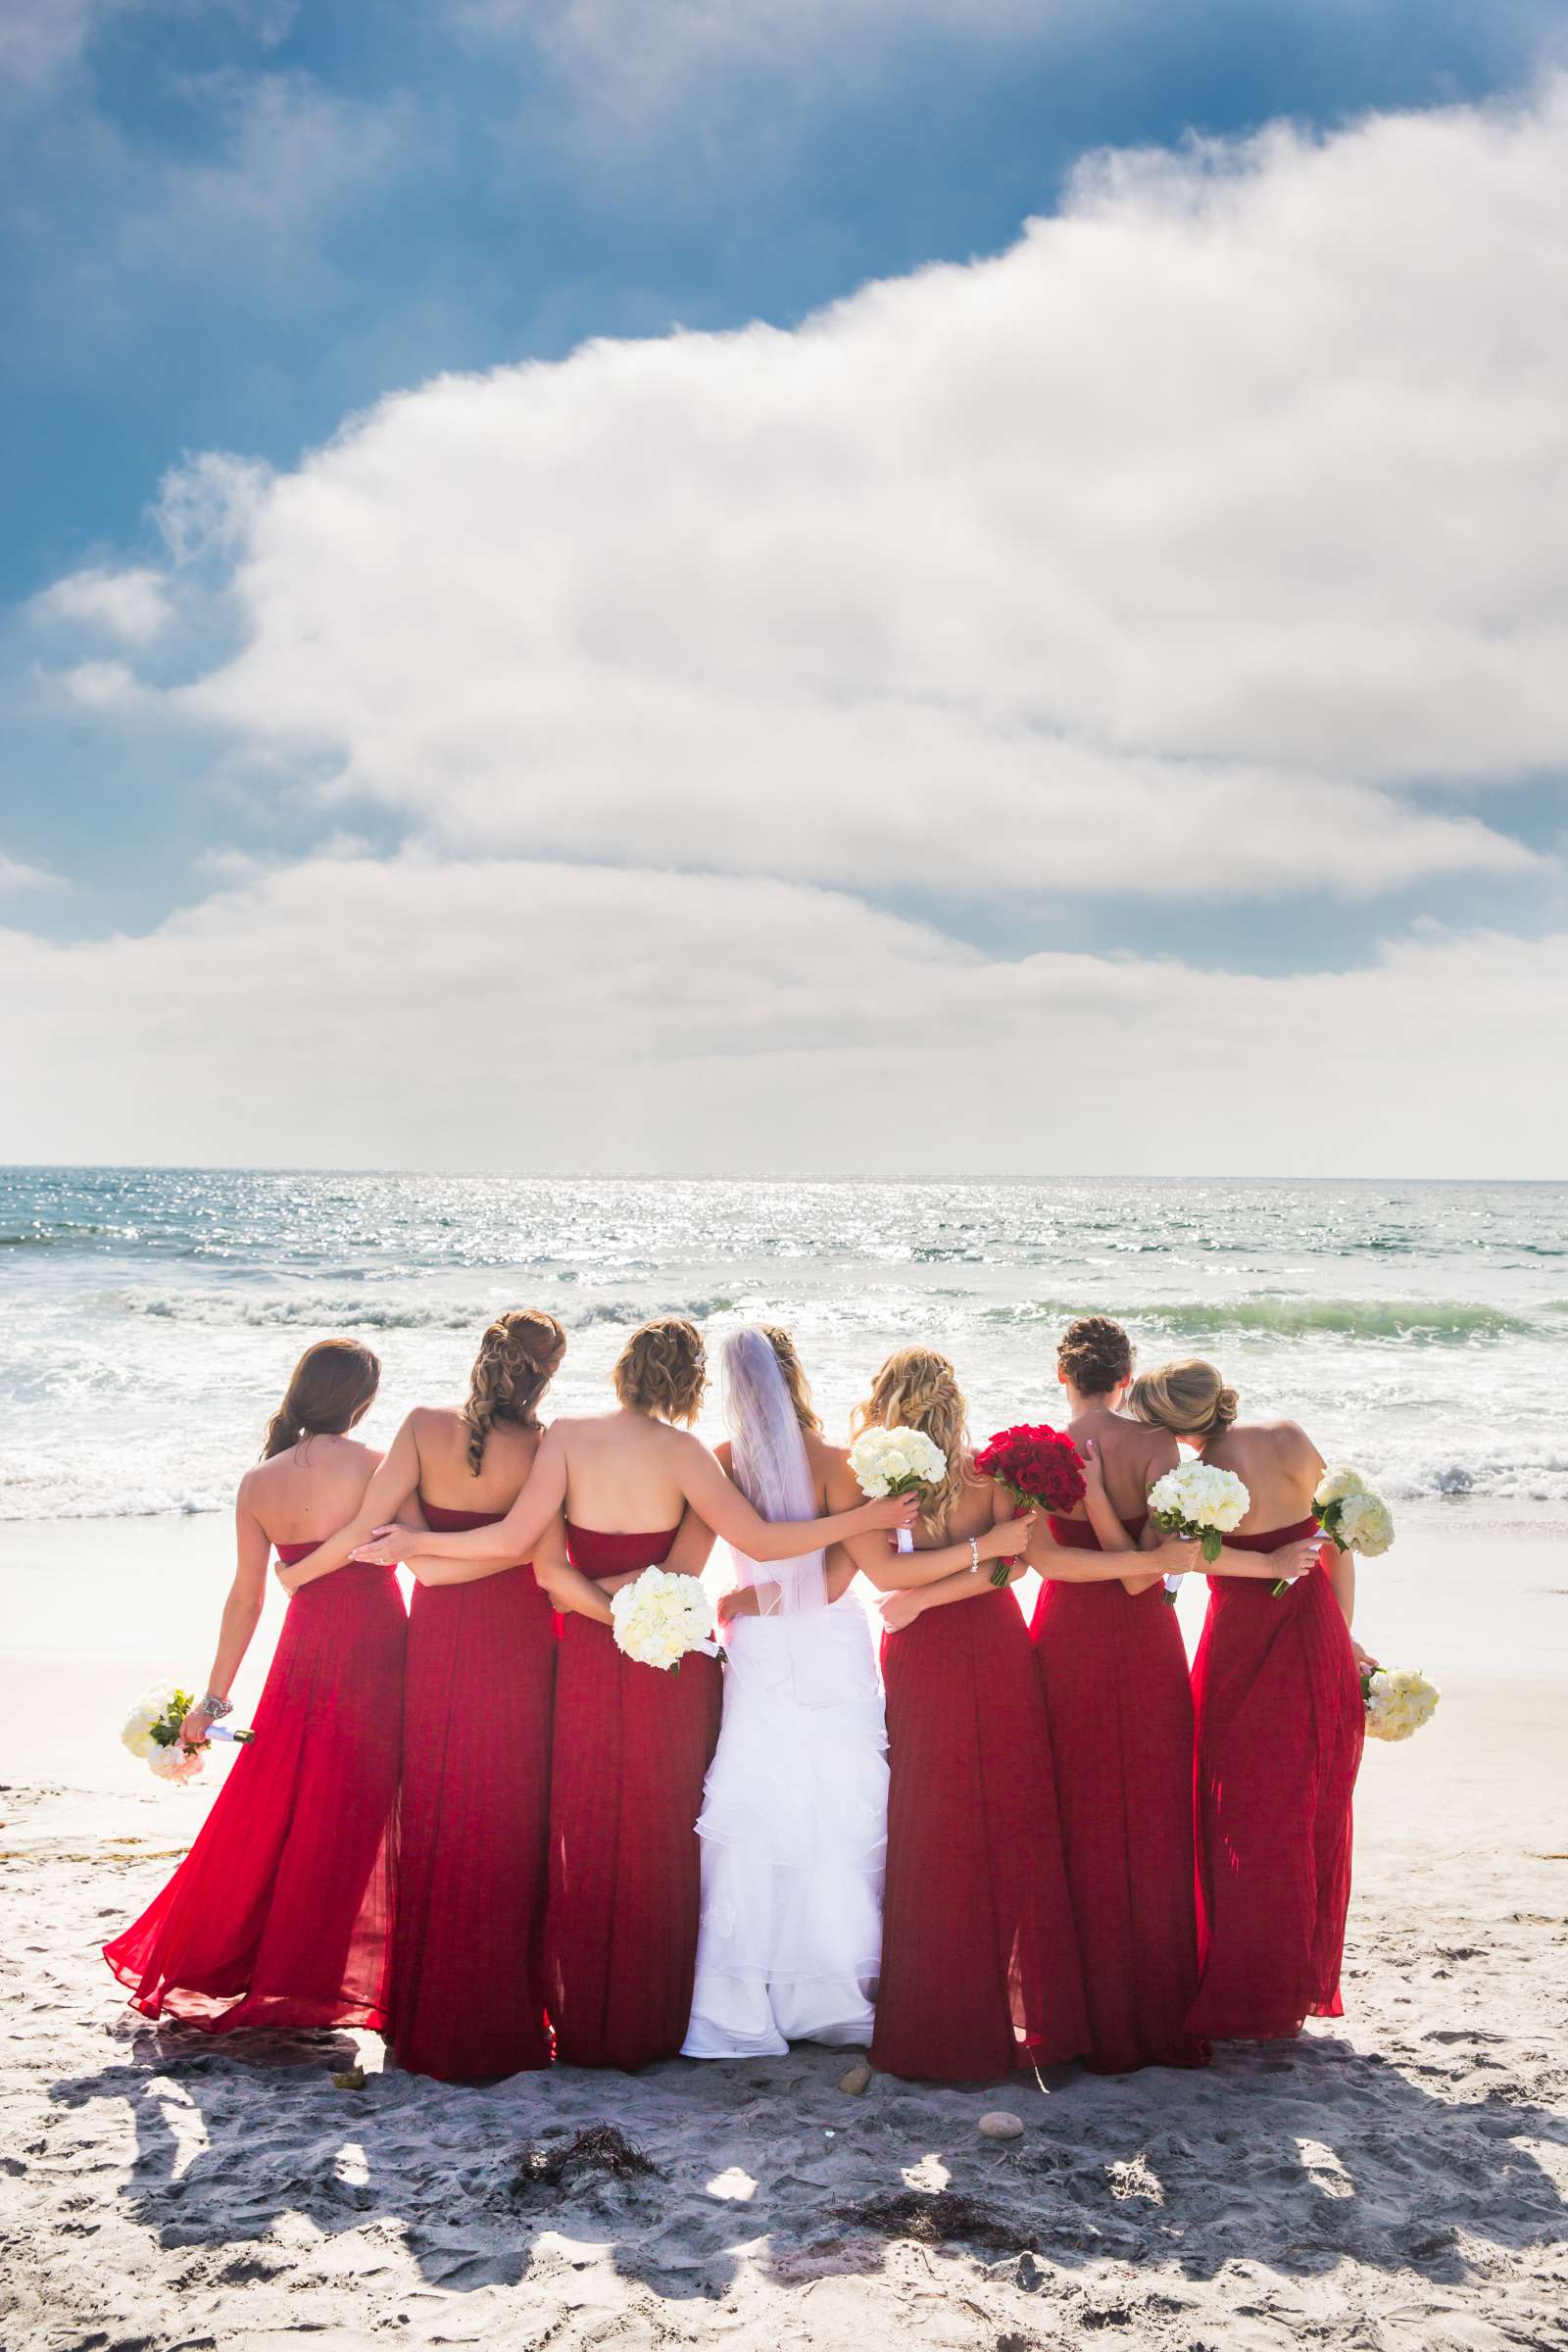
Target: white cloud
x,y
130,605
522,1016
103,686
17,875
1167,550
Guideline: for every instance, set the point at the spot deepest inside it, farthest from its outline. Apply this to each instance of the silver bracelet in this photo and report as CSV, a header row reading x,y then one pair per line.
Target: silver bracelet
x,y
974,1555
215,1708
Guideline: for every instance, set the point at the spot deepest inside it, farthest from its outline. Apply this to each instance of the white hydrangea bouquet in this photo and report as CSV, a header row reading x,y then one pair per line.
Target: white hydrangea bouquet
x,y
1353,1513
660,1618
1397,1701
1197,1499
894,1461
152,1735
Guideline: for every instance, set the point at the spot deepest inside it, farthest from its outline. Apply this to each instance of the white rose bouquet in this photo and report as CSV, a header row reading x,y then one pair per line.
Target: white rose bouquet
x,y
1197,1499
660,1618
896,1461
152,1735
1398,1703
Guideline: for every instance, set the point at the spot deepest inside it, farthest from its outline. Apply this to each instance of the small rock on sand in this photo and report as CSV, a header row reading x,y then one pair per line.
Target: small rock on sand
x,y
856,2080
999,2125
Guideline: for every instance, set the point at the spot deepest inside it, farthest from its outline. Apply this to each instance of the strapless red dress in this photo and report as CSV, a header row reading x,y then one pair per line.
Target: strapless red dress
x,y
280,1913
468,1944
631,1749
1279,1725
1113,1669
980,1967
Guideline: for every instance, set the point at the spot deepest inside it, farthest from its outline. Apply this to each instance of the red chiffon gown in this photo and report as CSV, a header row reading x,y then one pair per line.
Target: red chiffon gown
x,y
467,1997
631,1749
280,1914
1113,1669
1280,1724
980,1967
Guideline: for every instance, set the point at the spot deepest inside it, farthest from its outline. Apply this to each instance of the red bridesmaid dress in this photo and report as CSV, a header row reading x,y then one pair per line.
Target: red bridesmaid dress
x,y
1279,1725
631,1749
1113,1669
279,1914
980,1967
467,1998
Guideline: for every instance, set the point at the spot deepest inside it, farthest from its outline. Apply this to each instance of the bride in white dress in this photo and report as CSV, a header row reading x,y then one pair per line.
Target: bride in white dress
x,y
794,1818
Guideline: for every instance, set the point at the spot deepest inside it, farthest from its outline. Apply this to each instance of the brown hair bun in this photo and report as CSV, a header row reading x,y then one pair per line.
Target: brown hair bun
x,y
516,1360
1095,1355
1188,1398
332,1386
663,1370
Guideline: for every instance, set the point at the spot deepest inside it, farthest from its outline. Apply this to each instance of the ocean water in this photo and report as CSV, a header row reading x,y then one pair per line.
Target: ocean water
x,y
151,1316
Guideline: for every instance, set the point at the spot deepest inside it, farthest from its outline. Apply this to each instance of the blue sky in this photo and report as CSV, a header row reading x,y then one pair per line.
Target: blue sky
x,y
481,213
234,226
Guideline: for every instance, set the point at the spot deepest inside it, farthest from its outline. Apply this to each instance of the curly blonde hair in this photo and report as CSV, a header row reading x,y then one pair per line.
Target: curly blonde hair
x,y
918,1389
663,1370
1188,1398
516,1360
794,1371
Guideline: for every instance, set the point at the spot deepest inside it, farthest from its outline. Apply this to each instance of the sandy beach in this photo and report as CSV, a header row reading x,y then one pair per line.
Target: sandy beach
x,y
1395,2179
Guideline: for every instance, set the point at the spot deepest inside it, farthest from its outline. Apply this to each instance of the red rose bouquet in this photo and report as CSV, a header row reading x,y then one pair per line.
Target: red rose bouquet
x,y
1040,1467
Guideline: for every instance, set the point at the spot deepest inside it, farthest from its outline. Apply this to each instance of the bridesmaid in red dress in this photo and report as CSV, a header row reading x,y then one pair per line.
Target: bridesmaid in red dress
x,y
631,1744
280,1913
980,1962
1113,1668
468,2000
1278,1726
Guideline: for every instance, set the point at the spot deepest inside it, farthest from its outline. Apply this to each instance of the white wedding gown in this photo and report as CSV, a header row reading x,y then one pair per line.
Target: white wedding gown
x,y
793,1830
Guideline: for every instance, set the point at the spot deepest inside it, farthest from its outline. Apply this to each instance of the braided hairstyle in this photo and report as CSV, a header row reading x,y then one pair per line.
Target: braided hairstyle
x,y
517,1360
918,1389
794,1371
331,1388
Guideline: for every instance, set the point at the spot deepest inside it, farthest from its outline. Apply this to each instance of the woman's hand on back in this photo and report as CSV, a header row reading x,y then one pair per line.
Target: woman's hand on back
x,y
1292,1560
1005,1539
891,1511
385,1548
901,1609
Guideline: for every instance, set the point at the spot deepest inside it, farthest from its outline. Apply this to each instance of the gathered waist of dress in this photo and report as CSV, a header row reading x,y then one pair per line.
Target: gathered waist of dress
x,y
1232,1588
601,1551
290,1555
1076,1535
1274,1537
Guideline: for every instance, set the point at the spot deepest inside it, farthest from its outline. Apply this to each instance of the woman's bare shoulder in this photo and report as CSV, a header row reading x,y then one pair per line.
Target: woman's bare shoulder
x,y
822,1454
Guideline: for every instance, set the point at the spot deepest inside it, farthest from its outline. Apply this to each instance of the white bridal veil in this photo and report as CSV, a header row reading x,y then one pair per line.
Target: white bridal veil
x,y
768,1459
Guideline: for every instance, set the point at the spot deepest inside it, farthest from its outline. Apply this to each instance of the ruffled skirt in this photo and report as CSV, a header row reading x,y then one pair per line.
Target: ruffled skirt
x,y
794,1840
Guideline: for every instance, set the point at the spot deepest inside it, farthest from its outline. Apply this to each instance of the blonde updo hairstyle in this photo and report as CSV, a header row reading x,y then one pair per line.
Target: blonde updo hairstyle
x,y
794,1371
1188,1398
516,1360
918,1389
663,1370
